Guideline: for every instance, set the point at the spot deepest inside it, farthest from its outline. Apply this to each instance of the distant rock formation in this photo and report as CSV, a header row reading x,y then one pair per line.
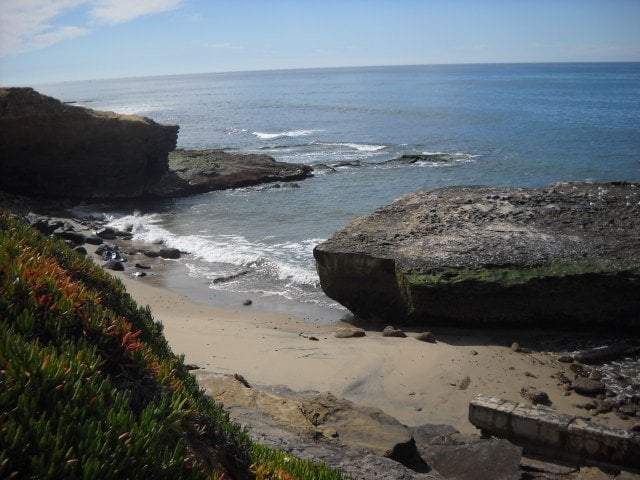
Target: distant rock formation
x,y
52,149
198,171
559,256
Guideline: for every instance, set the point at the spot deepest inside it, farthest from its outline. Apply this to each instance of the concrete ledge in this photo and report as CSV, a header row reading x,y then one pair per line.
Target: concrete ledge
x,y
543,430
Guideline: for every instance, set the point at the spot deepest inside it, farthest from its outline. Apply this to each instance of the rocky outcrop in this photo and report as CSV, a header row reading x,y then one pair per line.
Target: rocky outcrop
x,y
198,171
49,148
559,256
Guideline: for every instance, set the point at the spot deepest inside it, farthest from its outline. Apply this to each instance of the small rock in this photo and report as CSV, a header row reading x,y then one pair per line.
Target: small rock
x,y
515,346
151,253
621,415
315,339
391,331
536,397
464,383
143,266
76,237
241,379
247,302
473,352
170,253
106,233
349,332
81,250
114,265
586,386
635,427
426,337
139,274
93,240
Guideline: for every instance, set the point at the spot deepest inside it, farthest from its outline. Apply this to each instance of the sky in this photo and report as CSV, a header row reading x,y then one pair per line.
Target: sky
x,y
44,41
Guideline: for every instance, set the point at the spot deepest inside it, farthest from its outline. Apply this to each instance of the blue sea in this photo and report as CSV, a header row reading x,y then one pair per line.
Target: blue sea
x,y
506,125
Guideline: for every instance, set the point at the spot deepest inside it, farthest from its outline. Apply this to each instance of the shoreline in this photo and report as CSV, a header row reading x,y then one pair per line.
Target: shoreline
x,y
416,382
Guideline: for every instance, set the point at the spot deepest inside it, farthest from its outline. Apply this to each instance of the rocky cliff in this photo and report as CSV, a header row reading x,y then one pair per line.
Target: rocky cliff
x,y
561,256
49,148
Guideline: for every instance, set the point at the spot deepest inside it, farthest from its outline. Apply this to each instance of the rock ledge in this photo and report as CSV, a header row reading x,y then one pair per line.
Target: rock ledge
x,y
559,256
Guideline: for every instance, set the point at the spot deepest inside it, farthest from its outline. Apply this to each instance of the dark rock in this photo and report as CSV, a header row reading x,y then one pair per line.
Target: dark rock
x,y
81,250
536,397
197,171
106,233
76,237
40,223
565,359
139,274
60,150
143,266
151,253
93,240
114,265
427,337
587,386
391,331
495,459
423,157
478,256
233,276
247,303
629,410
171,253
349,332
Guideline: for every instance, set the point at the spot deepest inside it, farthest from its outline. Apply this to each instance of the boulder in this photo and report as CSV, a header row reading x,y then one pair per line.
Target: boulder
x,y
563,256
171,253
60,150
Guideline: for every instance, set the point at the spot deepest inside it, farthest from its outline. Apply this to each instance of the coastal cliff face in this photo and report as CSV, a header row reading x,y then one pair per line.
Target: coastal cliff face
x,y
52,149
560,256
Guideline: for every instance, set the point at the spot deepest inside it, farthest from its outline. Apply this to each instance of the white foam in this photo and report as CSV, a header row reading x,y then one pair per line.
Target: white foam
x,y
361,147
288,134
456,155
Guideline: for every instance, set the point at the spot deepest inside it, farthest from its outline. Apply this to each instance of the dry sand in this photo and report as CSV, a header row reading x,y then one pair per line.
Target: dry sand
x,y
416,382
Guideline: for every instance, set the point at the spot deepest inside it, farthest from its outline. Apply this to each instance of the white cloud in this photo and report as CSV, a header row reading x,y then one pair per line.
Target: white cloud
x,y
25,24
31,24
120,11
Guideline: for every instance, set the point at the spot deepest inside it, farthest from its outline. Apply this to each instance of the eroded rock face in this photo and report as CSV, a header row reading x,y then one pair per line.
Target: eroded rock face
x,y
561,256
52,149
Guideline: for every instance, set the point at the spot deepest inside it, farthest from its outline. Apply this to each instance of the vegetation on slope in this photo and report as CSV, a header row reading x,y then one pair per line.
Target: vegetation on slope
x,y
90,389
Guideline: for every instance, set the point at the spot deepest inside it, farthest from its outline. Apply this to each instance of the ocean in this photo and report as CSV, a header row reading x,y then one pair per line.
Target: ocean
x,y
504,125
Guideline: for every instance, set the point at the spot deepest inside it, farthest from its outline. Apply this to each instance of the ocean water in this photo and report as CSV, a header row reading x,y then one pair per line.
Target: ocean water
x,y
510,125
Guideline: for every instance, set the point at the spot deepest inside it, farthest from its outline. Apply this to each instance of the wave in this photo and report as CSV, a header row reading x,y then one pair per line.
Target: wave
x,y
288,134
361,147
452,156
226,255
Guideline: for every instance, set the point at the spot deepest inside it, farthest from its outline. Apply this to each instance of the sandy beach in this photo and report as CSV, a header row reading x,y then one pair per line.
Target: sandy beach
x,y
416,382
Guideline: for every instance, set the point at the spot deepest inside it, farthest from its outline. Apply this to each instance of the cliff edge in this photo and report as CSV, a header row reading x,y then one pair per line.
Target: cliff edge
x,y
49,148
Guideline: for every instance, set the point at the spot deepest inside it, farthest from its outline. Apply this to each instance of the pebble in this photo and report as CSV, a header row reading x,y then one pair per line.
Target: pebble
x,y
247,302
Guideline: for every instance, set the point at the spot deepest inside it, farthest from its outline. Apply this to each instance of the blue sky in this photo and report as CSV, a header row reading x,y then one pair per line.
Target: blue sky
x,y
58,40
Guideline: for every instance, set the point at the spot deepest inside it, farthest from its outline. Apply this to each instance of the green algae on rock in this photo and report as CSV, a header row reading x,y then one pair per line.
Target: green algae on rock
x,y
560,256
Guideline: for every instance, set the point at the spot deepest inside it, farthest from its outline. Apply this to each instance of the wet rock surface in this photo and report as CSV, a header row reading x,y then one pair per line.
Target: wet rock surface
x,y
559,256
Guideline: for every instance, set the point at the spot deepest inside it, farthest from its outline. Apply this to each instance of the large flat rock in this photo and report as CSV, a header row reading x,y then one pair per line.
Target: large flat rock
x,y
52,149
564,255
198,171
